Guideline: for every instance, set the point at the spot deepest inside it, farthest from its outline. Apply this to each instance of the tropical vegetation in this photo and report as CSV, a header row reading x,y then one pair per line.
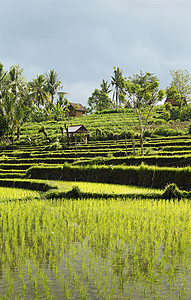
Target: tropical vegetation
x,y
104,220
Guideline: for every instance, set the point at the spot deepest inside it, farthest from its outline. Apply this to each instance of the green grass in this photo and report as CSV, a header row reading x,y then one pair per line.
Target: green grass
x,y
95,249
101,188
7,193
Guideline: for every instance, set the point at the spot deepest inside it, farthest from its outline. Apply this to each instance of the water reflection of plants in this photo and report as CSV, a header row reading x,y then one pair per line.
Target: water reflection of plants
x,y
90,249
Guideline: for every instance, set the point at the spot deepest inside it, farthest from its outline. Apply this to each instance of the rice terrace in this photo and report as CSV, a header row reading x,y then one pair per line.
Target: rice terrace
x,y
95,205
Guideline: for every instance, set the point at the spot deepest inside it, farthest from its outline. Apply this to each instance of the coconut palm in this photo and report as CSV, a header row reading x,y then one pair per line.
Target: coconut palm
x,y
16,81
8,108
38,91
105,87
14,99
3,75
61,100
53,83
116,81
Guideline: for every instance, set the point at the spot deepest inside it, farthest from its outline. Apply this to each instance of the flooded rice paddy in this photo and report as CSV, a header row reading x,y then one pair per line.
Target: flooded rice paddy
x,y
95,249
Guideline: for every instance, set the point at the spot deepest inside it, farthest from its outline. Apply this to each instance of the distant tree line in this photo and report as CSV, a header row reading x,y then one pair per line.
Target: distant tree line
x,y
115,93
43,98
141,92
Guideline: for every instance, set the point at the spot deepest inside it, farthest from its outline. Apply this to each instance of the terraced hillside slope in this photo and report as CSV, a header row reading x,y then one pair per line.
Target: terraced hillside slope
x,y
110,144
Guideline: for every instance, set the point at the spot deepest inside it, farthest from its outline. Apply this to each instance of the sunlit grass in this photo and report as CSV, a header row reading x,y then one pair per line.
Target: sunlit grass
x,y
104,188
7,193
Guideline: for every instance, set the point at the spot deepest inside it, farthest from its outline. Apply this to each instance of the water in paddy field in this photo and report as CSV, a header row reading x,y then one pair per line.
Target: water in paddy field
x,y
65,251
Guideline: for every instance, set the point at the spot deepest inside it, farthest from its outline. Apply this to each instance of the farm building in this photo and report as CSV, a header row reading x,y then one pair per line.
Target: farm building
x,y
76,110
174,102
78,130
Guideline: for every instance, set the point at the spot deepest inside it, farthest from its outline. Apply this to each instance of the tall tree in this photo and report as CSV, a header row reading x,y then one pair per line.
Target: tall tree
x,y
181,79
38,91
144,93
117,82
3,123
8,108
3,75
14,98
105,87
53,83
17,81
61,100
173,94
99,100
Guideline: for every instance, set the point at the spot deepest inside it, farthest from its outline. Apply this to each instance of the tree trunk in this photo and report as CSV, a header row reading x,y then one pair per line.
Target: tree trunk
x,y
62,132
133,143
141,141
116,99
142,130
43,131
67,133
18,132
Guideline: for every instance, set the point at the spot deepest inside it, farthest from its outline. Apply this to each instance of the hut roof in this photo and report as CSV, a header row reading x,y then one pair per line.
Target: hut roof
x,y
77,129
174,103
77,106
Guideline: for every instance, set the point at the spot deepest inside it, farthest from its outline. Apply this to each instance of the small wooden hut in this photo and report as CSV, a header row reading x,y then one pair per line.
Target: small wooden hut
x,y
174,102
76,110
78,130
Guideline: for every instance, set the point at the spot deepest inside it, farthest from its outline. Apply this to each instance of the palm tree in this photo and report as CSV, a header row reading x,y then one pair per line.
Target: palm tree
x,y
61,98
116,81
3,75
105,87
16,81
38,91
53,83
14,99
8,107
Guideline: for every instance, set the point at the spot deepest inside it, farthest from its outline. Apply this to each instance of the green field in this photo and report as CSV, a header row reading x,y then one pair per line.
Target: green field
x,y
88,187
93,222
84,249
7,194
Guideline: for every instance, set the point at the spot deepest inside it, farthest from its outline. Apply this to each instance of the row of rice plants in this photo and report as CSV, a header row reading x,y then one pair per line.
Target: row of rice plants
x,y
7,193
142,175
137,249
152,160
63,156
103,188
148,143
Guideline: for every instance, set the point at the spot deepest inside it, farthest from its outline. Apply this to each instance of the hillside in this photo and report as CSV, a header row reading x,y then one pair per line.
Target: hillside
x,y
108,125
46,156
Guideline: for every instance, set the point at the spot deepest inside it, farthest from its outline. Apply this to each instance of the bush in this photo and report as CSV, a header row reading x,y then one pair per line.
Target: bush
x,y
172,191
189,128
166,131
74,193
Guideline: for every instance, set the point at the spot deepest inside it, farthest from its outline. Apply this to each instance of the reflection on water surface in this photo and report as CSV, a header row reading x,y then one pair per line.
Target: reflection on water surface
x,y
95,249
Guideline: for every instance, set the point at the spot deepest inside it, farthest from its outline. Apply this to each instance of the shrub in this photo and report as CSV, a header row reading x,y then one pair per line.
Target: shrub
x,y
166,131
172,191
189,128
74,193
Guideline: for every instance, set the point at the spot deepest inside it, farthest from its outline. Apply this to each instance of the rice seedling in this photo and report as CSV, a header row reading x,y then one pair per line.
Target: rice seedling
x,y
95,249
16,194
103,188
